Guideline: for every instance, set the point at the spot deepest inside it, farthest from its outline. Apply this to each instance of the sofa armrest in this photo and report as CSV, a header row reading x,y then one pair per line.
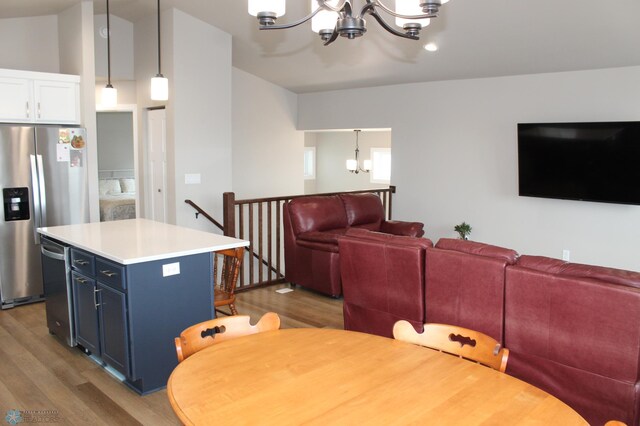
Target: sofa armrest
x,y
315,245
397,227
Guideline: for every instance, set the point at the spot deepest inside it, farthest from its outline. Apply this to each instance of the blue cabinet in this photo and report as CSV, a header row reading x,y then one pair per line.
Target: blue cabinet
x,y
85,312
129,315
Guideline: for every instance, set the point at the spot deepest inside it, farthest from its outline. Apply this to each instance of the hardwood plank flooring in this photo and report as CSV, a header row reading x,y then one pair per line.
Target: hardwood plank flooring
x,y
38,373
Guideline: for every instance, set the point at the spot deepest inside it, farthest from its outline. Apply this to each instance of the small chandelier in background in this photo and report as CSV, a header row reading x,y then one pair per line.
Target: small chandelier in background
x,y
109,97
159,83
354,165
333,18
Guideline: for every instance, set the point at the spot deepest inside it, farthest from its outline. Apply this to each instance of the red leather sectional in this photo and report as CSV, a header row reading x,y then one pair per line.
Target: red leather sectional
x,y
312,226
572,330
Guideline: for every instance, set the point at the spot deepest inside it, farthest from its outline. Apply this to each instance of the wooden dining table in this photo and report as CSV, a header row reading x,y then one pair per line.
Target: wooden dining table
x,y
326,376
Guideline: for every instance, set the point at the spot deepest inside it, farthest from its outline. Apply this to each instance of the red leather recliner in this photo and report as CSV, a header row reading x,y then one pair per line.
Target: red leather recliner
x,y
312,226
382,280
464,285
573,330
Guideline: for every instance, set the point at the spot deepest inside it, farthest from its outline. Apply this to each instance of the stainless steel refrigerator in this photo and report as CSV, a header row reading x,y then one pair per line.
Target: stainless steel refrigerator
x,y
44,182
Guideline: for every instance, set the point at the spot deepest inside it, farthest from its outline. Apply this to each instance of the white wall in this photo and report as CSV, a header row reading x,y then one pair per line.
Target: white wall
x,y
201,101
75,39
333,149
267,148
455,157
121,48
30,43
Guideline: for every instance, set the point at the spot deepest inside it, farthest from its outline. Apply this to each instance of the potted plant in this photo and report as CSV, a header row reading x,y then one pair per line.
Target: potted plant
x,y
464,229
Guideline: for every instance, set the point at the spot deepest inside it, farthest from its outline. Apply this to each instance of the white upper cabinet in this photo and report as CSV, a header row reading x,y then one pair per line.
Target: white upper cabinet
x,y
32,97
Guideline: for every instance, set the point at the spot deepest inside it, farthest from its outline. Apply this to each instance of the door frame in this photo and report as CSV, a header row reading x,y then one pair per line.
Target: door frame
x,y
149,191
133,109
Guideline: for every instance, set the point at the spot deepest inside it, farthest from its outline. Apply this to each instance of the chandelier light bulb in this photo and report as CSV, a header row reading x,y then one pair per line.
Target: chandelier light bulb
x,y
410,7
352,165
325,19
366,164
277,7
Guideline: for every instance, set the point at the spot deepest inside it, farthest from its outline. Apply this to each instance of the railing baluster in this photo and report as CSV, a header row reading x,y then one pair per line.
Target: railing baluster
x,y
278,221
251,241
269,239
260,232
241,236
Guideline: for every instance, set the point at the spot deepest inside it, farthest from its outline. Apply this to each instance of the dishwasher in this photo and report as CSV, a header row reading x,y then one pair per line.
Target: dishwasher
x,y
57,289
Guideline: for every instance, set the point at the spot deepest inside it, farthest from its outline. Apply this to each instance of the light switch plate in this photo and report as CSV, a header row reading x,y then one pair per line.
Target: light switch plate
x,y
192,178
171,269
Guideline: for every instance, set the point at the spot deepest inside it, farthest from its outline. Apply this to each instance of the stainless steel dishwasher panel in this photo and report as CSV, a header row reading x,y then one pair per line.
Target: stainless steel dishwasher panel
x,y
58,294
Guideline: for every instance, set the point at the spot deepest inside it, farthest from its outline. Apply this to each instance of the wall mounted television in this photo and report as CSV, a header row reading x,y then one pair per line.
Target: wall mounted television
x,y
580,161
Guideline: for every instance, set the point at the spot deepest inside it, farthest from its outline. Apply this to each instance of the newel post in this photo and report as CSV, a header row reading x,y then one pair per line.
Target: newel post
x,y
229,213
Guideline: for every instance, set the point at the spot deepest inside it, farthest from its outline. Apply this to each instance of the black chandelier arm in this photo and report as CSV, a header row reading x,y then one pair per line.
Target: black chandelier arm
x,y
390,29
334,37
292,24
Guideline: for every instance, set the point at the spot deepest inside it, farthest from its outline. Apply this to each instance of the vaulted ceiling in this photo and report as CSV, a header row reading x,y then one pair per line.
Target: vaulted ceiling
x,y
476,39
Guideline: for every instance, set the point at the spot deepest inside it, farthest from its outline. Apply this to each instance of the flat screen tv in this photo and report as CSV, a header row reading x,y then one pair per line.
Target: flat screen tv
x,y
580,161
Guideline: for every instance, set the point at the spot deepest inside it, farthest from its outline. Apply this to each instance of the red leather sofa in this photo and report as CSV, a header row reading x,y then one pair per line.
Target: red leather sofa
x,y
574,331
312,226
383,280
465,285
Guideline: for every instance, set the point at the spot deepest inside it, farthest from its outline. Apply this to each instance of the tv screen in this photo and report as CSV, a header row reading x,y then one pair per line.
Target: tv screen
x,y
580,161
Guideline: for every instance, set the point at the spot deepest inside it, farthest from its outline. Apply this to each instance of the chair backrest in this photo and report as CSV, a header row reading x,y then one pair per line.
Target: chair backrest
x,y
207,333
465,343
226,265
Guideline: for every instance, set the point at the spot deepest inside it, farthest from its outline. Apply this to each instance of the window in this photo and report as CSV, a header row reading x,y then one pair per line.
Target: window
x,y
381,165
310,162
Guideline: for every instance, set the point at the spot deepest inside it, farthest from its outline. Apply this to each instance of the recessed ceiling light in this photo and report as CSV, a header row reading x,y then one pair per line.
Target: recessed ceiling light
x,y
431,47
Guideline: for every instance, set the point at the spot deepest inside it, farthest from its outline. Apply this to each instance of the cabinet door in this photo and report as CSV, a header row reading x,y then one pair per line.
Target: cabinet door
x,y
15,100
114,336
86,312
57,102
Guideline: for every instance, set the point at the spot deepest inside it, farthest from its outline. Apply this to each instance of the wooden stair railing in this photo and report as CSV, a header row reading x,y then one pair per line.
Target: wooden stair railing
x,y
259,220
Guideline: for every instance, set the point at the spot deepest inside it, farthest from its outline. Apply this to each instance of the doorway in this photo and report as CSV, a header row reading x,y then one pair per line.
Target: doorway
x,y
117,163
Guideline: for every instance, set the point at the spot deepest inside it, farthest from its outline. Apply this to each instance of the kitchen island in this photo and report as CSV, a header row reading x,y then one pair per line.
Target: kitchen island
x,y
136,285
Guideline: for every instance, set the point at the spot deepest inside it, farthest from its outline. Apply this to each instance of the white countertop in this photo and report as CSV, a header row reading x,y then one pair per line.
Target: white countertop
x,y
139,240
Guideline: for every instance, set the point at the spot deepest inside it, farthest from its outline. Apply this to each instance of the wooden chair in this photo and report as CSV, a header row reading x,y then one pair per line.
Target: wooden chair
x,y
207,333
226,266
465,343
615,423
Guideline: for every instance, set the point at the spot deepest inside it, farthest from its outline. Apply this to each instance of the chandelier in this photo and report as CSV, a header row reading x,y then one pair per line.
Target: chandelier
x,y
333,18
354,165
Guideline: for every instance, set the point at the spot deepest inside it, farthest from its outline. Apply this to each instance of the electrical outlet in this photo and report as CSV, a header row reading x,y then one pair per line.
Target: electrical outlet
x,y
566,255
171,269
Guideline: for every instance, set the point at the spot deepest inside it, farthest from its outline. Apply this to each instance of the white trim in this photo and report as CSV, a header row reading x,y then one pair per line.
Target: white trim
x,y
312,175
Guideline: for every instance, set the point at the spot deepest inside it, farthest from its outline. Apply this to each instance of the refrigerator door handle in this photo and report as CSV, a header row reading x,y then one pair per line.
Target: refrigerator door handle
x,y
43,193
35,193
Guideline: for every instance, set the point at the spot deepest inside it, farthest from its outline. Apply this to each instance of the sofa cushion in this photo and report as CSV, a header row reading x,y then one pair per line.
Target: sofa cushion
x,y
317,213
480,249
611,275
363,209
541,263
410,229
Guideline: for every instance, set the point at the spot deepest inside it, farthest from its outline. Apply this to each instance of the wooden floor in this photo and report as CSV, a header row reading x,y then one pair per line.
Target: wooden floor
x,y
41,375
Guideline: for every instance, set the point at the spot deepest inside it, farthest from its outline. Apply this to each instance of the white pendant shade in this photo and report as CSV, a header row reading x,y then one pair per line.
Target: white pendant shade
x,y
276,6
352,165
325,19
367,165
159,88
109,97
410,7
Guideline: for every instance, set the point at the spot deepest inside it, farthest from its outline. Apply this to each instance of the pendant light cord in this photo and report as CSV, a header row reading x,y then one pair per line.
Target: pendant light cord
x,y
159,69
109,48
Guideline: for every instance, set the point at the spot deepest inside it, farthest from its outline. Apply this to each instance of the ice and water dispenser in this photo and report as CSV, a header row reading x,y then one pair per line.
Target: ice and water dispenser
x,y
16,203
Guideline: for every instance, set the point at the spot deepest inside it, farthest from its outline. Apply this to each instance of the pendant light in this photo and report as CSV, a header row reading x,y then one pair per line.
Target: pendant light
x,y
159,84
354,165
109,93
